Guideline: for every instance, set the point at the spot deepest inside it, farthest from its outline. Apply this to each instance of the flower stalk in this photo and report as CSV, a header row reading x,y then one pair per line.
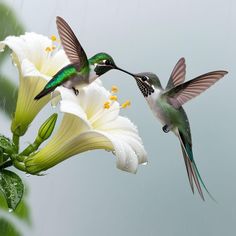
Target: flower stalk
x,y
44,133
16,141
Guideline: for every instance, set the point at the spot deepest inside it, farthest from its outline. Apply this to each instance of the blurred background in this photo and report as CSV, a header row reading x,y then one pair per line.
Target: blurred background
x,y
87,195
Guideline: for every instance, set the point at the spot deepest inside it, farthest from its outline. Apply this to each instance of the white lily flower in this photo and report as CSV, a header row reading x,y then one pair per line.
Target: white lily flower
x,y
37,60
91,121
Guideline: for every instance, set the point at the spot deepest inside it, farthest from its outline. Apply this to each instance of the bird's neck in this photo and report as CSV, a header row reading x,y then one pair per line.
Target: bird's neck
x,y
92,73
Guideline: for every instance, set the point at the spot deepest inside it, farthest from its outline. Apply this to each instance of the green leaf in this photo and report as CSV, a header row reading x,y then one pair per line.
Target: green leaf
x,y
8,96
9,25
7,145
7,228
7,148
22,211
12,188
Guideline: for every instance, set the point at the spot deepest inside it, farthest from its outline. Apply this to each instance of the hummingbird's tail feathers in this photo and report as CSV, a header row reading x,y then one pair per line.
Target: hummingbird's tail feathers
x,y
192,171
203,184
44,92
188,168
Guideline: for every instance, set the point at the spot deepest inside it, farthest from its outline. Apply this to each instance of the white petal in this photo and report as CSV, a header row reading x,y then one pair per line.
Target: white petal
x,y
92,98
28,69
16,45
126,157
30,45
59,60
126,131
69,104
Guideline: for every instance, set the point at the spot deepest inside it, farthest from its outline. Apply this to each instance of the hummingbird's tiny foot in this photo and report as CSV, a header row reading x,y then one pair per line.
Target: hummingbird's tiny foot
x,y
76,91
166,128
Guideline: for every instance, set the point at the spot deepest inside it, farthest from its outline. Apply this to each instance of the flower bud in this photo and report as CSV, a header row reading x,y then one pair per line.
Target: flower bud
x,y
47,127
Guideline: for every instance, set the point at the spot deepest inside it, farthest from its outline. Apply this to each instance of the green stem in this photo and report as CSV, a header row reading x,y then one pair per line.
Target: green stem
x,y
16,140
6,164
32,147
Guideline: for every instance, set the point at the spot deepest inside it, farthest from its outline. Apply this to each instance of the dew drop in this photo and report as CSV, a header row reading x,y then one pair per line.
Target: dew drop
x,y
10,210
13,63
144,164
53,105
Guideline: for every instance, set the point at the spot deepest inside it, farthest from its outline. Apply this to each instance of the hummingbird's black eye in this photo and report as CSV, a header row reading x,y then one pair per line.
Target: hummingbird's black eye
x,y
144,78
108,62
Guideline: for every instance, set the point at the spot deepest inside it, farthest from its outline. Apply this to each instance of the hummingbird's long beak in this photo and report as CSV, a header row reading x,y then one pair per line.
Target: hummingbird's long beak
x,y
125,71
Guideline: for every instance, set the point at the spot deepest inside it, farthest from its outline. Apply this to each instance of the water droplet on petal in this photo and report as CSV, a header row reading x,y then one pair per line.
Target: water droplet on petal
x,y
27,175
55,98
53,105
144,164
13,63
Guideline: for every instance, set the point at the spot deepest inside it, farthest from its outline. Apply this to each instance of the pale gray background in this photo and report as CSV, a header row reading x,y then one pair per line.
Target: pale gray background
x,y
86,195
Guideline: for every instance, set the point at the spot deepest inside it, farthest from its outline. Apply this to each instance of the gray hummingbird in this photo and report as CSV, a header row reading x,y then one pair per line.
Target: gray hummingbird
x,y
166,104
81,71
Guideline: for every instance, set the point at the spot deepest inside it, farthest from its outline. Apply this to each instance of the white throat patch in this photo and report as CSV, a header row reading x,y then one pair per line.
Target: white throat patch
x,y
92,73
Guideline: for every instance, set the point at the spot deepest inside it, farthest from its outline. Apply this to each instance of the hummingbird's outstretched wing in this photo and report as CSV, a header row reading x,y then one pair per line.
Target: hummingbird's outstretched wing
x,y
178,74
182,93
71,45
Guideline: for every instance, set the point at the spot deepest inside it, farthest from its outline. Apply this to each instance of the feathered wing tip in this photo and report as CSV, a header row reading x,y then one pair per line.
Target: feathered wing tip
x,y
192,171
178,74
184,92
44,92
71,44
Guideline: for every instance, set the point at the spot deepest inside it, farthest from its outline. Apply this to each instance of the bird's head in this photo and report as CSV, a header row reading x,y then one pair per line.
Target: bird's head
x,y
102,63
147,82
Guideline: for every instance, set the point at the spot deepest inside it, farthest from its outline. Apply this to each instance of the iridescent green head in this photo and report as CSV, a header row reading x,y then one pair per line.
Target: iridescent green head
x,y
102,63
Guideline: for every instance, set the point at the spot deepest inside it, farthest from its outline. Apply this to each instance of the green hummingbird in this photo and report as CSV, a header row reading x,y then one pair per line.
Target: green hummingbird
x,y
166,104
81,71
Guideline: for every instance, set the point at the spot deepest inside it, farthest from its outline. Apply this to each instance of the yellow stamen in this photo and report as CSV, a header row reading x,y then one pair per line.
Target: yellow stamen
x,y
53,38
114,89
48,49
106,105
53,47
113,98
126,104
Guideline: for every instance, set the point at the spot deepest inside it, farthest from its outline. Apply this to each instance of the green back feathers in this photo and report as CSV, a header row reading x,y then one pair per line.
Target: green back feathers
x,y
61,76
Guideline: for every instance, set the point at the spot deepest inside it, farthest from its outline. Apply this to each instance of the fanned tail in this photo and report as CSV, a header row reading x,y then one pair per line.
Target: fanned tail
x,y
44,92
192,171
